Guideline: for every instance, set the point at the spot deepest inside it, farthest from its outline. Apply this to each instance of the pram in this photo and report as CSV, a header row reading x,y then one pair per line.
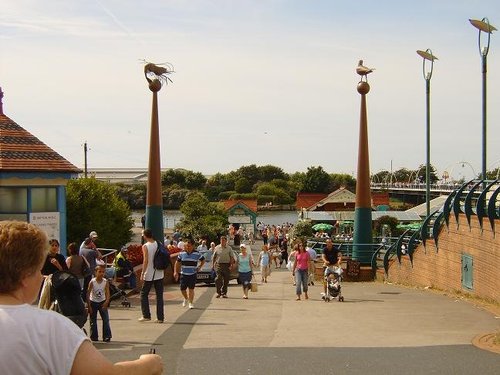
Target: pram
x,y
118,294
333,279
68,298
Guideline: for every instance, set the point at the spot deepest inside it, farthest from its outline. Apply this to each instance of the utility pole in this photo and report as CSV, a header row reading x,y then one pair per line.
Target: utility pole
x,y
85,158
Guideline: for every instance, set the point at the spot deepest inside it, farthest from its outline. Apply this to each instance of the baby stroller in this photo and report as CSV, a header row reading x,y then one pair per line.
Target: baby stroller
x,y
68,298
118,294
333,278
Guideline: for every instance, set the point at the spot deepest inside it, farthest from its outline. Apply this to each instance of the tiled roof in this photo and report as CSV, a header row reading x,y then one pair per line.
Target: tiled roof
x,y
22,151
250,203
305,200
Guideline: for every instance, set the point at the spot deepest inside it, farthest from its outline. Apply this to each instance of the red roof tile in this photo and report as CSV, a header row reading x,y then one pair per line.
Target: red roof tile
x,y
305,200
250,203
22,151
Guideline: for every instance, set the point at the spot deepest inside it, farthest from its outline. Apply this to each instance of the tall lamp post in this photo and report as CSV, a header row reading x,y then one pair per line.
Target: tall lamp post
x,y
363,205
427,72
483,26
156,77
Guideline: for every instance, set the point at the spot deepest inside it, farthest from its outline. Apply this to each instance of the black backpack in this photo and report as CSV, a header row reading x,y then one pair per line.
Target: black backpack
x,y
161,259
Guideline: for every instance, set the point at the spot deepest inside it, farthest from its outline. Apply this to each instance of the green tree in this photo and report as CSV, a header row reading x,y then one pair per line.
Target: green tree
x,y
243,185
183,179
268,190
298,178
95,205
303,229
316,180
133,194
194,180
202,219
493,174
422,174
270,172
173,177
250,172
337,180
217,184
390,221
402,175
173,198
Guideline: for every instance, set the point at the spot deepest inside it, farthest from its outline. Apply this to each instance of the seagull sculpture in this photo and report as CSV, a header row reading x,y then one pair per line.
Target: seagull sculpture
x,y
363,71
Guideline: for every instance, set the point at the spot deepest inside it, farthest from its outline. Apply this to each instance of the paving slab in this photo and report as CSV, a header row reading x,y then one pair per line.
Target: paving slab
x,y
273,331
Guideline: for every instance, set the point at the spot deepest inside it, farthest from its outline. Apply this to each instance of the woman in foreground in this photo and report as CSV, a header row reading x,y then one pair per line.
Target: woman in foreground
x,y
42,341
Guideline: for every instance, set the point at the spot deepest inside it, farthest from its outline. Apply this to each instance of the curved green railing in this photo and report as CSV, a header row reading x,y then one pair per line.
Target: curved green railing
x,y
472,201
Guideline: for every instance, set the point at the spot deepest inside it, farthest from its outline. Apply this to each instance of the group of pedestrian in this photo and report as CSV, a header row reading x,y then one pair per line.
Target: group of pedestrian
x,y
302,265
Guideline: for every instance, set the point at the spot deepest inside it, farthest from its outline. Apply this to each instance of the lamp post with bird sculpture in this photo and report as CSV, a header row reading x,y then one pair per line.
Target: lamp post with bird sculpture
x,y
363,205
156,76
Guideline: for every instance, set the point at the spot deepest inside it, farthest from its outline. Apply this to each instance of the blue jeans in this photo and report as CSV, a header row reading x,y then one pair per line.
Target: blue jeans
x,y
106,329
146,287
301,280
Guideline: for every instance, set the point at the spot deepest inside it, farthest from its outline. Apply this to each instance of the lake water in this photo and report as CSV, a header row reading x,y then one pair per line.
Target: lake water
x,y
172,217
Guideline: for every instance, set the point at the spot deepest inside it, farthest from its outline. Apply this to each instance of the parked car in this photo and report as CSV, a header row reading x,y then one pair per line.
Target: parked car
x,y
207,275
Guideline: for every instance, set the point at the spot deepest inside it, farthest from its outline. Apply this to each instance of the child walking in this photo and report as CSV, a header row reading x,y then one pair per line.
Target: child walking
x,y
265,263
98,300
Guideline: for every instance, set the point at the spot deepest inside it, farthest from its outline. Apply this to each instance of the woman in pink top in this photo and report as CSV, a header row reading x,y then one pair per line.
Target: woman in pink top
x,y
300,270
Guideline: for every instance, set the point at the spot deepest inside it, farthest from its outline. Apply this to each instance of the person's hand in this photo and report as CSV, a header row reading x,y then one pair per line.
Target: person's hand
x,y
89,310
105,305
176,276
154,363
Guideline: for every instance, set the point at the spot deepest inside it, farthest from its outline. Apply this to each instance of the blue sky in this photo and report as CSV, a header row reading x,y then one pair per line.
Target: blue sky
x,y
256,82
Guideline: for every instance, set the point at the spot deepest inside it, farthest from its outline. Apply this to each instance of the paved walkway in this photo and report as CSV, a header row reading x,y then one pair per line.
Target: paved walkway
x,y
381,329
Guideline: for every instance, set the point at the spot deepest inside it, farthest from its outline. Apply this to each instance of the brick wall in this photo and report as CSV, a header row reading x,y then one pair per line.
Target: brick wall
x,y
442,268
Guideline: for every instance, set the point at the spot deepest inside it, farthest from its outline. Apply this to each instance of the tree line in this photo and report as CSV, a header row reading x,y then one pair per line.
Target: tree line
x,y
266,184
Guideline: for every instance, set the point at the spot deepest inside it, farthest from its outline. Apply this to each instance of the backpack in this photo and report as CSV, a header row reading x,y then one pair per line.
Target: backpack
x,y
161,259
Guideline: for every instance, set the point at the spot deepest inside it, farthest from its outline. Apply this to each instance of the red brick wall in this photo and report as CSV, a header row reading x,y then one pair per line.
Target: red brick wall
x,y
442,268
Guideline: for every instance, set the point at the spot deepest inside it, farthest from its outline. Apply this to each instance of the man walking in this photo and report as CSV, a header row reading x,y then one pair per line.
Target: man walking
x,y
222,262
187,266
151,276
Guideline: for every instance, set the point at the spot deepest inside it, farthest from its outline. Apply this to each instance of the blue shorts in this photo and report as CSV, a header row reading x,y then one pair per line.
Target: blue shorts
x,y
188,281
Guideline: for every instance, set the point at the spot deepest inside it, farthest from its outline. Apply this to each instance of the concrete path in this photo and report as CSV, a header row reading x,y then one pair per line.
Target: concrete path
x,y
380,329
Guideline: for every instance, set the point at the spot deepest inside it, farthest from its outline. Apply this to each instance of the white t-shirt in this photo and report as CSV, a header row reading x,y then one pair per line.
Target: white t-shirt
x,y
36,341
148,275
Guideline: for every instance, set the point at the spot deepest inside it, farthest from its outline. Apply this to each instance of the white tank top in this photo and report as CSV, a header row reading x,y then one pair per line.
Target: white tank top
x,y
98,292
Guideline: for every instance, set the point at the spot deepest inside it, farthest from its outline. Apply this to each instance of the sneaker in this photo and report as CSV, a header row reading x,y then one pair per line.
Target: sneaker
x,y
143,319
184,302
191,306
217,296
159,321
312,282
224,296
107,339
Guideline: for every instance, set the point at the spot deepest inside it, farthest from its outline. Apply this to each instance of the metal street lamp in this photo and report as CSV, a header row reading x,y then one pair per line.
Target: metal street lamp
x,y
483,26
427,72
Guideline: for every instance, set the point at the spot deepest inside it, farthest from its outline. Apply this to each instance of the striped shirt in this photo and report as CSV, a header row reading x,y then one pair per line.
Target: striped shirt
x,y
189,261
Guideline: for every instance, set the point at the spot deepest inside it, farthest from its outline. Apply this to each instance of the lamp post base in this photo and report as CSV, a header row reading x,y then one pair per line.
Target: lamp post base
x,y
154,221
